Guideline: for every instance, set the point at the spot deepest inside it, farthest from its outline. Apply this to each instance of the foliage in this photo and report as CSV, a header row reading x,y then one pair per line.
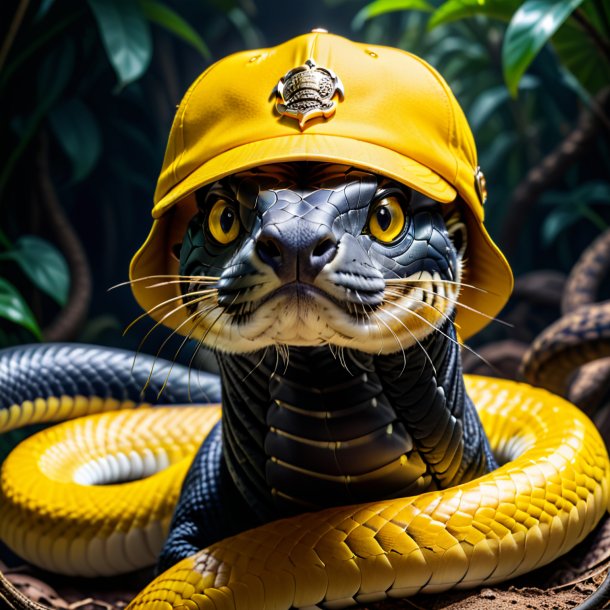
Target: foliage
x,y
76,74
45,268
533,23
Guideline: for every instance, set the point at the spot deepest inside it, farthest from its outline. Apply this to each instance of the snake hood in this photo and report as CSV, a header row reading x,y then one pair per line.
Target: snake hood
x,y
320,97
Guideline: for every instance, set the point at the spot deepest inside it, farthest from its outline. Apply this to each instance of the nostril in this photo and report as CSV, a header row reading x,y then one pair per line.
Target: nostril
x,y
268,251
324,247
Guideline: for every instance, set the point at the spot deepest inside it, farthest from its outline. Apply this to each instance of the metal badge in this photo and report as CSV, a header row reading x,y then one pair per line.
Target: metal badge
x,y
307,92
481,185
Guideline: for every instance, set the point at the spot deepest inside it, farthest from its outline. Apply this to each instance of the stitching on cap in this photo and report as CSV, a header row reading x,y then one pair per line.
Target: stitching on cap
x,y
179,121
167,206
185,103
439,79
312,49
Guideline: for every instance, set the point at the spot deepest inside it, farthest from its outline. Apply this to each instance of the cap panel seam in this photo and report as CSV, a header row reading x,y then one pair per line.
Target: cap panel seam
x,y
185,103
312,48
180,122
448,103
432,172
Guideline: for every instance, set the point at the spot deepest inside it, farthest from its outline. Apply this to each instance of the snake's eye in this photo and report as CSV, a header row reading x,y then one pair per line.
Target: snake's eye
x,y
387,219
223,222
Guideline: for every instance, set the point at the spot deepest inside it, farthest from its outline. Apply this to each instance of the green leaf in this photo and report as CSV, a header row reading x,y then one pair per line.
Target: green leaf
x,y
126,37
529,30
250,35
493,156
490,100
54,74
454,10
580,55
43,9
556,222
43,264
78,134
14,308
164,16
381,7
594,191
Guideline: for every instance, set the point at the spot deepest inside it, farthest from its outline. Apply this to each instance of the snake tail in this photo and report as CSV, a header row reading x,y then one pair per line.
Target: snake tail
x,y
67,492
549,494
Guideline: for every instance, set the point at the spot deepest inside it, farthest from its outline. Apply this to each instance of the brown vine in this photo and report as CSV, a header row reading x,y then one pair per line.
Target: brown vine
x,y
552,168
70,319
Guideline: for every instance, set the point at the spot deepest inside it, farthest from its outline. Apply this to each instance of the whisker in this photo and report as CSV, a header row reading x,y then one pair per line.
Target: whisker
x,y
158,284
341,353
167,302
277,358
458,303
203,338
414,339
167,315
284,351
415,300
257,364
402,349
175,331
406,280
186,278
171,368
462,345
198,347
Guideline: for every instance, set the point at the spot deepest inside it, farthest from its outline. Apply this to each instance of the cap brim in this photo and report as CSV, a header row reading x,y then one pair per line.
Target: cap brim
x,y
311,147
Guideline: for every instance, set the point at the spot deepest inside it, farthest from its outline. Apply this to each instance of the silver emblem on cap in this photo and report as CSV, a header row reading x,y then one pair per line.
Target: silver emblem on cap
x,y
307,92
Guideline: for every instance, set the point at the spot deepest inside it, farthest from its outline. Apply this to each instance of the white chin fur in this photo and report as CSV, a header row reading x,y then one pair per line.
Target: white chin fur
x,y
311,321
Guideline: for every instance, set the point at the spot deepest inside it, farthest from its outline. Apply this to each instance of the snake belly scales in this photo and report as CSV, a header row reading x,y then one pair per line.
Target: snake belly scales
x,y
348,468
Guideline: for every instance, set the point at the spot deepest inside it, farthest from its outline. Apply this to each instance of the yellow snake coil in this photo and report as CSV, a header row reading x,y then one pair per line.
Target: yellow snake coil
x,y
549,494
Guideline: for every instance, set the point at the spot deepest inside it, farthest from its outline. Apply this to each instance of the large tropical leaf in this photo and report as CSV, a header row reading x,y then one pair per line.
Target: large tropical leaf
x,y
381,7
453,10
77,132
126,37
490,100
579,53
529,30
14,308
557,222
43,264
164,16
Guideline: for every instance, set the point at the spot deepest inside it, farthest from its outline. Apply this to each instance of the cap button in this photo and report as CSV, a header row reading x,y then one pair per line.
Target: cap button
x,y
319,31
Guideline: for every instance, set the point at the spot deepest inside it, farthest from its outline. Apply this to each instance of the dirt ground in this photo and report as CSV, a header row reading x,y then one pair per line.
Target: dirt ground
x,y
561,585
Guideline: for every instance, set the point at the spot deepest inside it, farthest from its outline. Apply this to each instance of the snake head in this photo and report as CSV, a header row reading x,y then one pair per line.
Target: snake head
x,y
313,253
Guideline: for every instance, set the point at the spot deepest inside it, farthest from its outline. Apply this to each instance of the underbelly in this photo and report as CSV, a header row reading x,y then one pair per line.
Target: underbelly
x,y
341,445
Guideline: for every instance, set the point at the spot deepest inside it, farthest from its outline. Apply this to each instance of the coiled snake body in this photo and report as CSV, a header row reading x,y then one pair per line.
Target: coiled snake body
x,y
362,471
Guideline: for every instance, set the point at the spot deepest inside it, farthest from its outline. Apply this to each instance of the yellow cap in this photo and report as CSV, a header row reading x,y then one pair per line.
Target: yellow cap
x,y
388,111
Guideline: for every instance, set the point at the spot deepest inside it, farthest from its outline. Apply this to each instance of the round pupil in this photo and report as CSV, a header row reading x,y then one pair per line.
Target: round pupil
x,y
226,219
384,218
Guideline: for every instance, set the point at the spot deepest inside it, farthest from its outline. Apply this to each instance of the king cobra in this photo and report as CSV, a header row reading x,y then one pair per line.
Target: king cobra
x,y
353,461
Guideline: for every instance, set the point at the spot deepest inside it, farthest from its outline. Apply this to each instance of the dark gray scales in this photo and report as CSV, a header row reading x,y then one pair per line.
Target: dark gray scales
x,y
321,426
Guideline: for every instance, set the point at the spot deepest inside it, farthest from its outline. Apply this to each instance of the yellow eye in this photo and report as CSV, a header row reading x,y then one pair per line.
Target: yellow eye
x,y
223,223
387,220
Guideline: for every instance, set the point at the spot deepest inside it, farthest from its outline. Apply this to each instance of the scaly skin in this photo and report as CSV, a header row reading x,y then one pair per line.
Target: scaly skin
x,y
63,517
542,502
515,519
